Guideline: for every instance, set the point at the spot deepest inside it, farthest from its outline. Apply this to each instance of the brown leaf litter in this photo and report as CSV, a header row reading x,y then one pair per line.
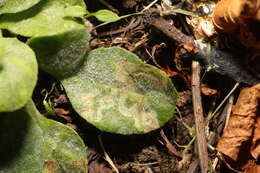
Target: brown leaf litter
x,y
241,139
242,15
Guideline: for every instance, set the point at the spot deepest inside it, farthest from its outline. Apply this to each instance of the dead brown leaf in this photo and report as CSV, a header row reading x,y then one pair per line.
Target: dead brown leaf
x,y
252,167
247,102
255,148
241,123
238,131
96,164
242,15
207,91
63,113
156,48
229,14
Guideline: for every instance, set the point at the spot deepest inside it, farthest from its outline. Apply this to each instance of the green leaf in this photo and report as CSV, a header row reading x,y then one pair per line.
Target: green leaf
x,y
18,74
33,144
46,18
61,55
75,11
115,91
14,6
105,16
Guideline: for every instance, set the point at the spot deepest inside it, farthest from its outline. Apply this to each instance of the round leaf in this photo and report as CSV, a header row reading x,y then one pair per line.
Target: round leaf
x,y
34,144
115,91
14,6
18,74
61,55
46,18
106,16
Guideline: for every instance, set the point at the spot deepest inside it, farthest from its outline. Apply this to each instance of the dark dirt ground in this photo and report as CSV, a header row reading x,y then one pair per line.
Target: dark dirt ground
x,y
141,153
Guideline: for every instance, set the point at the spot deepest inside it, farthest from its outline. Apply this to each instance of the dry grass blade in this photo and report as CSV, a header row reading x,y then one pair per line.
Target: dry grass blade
x,y
108,159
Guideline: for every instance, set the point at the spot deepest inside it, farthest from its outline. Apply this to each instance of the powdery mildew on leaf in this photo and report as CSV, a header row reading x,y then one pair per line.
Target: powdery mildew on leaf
x,y
115,91
61,55
36,144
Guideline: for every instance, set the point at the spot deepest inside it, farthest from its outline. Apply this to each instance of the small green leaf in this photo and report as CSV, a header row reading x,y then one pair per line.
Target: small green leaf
x,y
49,108
18,74
61,55
106,16
115,91
46,18
14,6
75,11
33,144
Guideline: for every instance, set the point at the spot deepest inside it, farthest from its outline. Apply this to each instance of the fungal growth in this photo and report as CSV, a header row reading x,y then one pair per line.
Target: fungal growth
x,y
115,91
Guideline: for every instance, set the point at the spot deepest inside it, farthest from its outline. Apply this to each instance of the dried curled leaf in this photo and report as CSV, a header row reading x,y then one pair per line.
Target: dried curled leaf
x,y
255,148
229,14
239,15
207,91
252,167
241,123
239,130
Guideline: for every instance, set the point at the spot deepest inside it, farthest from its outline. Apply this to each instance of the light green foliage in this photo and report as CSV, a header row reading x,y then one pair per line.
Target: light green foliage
x,y
61,55
105,16
14,6
31,143
18,74
75,11
1,52
115,91
46,18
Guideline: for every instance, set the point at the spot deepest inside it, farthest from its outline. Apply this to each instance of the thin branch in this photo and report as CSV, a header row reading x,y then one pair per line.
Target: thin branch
x,y
193,168
199,119
109,6
171,31
212,139
170,147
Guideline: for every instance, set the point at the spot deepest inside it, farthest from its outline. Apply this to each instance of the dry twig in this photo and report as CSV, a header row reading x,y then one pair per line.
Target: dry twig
x,y
170,147
109,6
199,119
193,168
132,24
171,31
